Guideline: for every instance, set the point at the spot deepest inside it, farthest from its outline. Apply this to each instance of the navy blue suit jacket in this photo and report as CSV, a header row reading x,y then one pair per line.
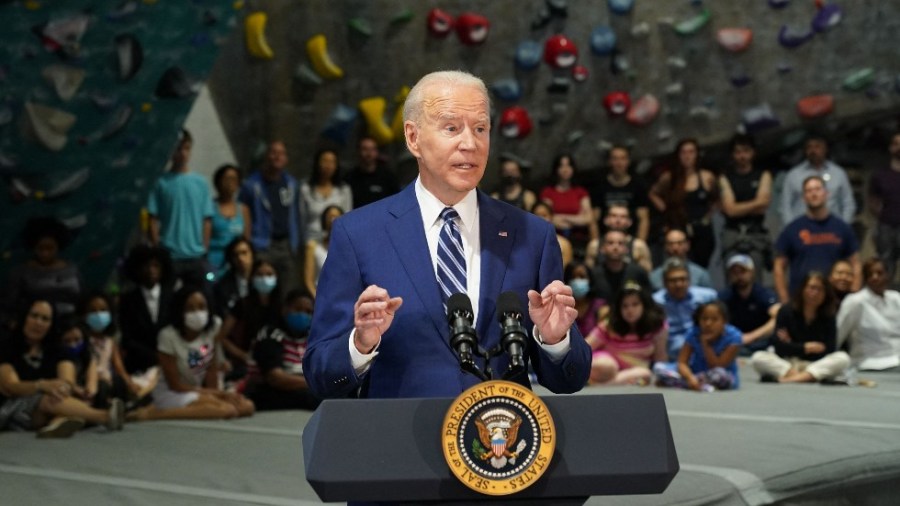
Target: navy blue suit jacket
x,y
384,244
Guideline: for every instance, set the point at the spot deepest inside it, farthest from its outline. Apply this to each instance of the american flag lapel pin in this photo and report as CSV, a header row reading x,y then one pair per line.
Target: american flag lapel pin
x,y
503,233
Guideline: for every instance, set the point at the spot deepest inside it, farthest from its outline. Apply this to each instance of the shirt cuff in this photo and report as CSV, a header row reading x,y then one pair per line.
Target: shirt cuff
x,y
361,362
556,351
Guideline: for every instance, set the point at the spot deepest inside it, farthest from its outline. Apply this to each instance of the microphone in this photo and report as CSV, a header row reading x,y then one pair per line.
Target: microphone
x,y
512,337
462,335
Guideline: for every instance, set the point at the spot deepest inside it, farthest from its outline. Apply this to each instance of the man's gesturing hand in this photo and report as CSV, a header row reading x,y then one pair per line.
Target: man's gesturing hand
x,y
372,316
552,311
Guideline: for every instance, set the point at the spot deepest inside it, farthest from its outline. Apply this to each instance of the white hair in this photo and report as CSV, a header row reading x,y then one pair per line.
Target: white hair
x,y
413,107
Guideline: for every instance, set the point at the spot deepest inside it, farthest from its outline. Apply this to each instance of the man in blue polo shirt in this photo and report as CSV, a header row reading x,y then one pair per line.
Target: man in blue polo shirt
x,y
752,306
813,242
680,299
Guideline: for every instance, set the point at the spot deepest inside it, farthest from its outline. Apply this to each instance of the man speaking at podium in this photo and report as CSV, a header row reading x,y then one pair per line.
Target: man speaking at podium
x,y
380,327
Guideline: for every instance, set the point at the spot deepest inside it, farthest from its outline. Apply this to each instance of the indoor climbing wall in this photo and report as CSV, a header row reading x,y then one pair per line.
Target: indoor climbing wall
x,y
571,75
94,94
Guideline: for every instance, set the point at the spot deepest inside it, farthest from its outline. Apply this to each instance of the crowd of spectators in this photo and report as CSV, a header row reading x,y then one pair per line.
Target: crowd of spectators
x,y
220,293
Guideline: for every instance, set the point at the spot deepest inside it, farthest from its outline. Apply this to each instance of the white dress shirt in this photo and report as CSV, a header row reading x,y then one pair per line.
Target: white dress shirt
x,y
470,232
151,298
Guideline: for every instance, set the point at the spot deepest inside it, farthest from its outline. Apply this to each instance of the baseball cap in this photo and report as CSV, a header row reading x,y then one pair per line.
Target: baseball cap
x,y
739,259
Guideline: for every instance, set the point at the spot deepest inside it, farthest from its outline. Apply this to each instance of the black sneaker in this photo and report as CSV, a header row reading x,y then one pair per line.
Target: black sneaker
x,y
768,378
60,427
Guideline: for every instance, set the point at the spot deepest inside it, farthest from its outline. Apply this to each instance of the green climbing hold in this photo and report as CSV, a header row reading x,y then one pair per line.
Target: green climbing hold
x,y
402,17
693,25
860,79
360,26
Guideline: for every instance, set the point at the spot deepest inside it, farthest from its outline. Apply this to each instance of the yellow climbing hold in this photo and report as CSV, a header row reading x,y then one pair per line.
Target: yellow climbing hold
x,y
255,31
238,5
317,50
38,195
146,107
32,5
397,123
373,111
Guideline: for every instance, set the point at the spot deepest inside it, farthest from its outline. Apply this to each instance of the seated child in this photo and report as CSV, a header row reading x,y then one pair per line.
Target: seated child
x,y
275,380
629,340
707,361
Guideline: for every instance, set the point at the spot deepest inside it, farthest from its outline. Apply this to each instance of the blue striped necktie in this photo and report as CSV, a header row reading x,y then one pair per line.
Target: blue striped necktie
x,y
451,262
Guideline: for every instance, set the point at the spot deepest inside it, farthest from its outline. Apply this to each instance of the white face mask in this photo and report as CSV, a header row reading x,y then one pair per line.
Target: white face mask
x,y
196,320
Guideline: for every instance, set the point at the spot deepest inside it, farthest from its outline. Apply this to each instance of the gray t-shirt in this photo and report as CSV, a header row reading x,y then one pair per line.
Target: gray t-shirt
x,y
192,357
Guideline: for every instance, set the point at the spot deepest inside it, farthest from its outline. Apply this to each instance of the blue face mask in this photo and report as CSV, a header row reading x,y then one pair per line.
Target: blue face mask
x,y
75,350
580,287
98,320
298,321
264,284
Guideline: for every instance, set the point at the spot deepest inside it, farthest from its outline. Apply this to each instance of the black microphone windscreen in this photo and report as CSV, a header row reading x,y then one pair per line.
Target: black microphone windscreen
x,y
508,302
458,302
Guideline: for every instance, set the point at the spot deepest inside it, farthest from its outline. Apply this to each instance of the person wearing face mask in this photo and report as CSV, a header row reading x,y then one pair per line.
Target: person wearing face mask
x,y
511,188
76,349
276,380
37,379
113,380
579,277
258,309
189,359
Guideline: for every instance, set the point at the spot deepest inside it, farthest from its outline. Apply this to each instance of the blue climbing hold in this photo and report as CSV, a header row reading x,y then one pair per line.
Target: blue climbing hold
x,y
603,40
528,55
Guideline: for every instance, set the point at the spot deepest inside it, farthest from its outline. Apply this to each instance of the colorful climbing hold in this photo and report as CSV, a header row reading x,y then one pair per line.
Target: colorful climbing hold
x,y
829,16
620,7
815,106
402,17
734,40
129,54
67,185
580,73
643,111
360,26
317,51
397,122
603,40
507,89
175,83
693,25
859,79
306,75
472,29
528,55
49,125
515,122
617,103
759,117
373,109
65,79
560,52
790,37
439,23
255,36
339,125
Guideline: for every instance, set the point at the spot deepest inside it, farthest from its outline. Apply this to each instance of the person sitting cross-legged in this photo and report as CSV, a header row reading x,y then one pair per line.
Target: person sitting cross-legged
x,y
805,338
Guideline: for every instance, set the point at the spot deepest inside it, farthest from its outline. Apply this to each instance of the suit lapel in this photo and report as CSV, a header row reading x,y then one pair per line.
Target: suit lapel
x,y
407,235
497,238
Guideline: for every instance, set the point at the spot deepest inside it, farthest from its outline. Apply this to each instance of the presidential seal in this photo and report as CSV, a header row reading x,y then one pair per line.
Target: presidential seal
x,y
498,438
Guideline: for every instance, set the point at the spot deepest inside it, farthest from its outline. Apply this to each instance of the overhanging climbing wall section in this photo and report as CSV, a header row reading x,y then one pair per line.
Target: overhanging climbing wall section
x,y
92,98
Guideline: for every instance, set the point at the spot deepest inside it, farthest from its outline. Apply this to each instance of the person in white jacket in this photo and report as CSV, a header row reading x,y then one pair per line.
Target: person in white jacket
x,y
867,321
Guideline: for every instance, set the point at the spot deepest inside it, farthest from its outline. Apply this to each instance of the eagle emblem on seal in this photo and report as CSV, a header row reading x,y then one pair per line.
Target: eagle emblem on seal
x,y
498,431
